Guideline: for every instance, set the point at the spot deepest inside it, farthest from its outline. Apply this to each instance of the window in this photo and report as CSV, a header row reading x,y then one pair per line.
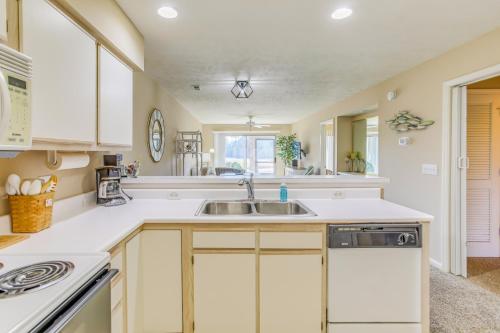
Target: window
x,y
251,153
264,156
235,155
372,144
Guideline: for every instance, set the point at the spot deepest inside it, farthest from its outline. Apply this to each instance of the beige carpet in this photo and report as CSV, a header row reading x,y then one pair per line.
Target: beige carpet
x,y
485,272
460,306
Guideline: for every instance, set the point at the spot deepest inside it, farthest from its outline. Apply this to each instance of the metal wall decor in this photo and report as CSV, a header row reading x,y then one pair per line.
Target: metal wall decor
x,y
156,135
404,121
242,89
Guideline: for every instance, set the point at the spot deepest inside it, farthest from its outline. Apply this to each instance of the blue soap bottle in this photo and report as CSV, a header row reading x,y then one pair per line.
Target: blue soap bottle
x,y
283,192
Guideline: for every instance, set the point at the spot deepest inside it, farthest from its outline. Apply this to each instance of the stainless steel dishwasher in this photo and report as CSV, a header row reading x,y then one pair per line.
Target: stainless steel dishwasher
x,y
374,278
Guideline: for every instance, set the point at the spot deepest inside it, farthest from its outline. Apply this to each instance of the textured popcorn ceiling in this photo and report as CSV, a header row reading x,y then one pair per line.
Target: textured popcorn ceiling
x,y
298,59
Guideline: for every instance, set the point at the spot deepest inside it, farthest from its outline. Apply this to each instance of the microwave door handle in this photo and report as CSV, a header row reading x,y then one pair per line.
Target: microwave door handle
x,y
81,302
5,105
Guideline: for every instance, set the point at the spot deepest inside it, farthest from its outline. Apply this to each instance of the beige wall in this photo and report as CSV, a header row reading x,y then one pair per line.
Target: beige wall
x,y
344,142
420,91
32,165
148,94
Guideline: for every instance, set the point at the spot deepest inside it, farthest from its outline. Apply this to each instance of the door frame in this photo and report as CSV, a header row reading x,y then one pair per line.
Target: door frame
x,y
322,145
453,225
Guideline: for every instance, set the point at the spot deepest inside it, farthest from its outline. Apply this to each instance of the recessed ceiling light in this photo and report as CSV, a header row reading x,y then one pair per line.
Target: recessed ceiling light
x,y
341,13
167,12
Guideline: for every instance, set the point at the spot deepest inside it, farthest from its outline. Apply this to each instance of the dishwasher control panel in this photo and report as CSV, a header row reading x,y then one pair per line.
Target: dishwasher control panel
x,y
375,236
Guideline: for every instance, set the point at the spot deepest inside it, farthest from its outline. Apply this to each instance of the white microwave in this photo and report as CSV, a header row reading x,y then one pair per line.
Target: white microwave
x,y
15,100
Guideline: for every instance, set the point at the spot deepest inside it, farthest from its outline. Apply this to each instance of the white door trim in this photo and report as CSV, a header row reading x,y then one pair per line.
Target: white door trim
x,y
449,166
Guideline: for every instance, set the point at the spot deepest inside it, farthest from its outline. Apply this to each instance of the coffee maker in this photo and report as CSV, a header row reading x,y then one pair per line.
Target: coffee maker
x,y
109,189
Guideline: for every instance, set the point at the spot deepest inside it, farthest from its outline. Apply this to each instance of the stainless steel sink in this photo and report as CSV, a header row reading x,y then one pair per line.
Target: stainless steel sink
x,y
226,208
254,208
281,208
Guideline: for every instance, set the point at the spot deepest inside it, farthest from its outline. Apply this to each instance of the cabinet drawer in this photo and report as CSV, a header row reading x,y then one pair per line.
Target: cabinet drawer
x,y
374,328
116,293
291,240
224,239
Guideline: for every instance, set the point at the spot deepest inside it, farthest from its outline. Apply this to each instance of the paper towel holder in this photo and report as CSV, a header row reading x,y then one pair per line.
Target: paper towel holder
x,y
51,158
58,161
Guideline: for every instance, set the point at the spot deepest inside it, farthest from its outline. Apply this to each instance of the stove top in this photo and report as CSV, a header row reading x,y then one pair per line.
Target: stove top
x,y
33,286
33,277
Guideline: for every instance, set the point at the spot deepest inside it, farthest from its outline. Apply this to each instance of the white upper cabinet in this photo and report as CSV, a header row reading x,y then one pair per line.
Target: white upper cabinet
x,y
116,88
3,20
64,75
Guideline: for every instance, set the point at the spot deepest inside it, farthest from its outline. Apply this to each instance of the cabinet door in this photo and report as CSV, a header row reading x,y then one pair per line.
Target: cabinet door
x,y
161,280
154,282
64,82
134,284
3,20
116,87
224,293
290,293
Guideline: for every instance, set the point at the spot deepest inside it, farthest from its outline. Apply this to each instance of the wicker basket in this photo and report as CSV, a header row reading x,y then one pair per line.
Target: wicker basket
x,y
31,213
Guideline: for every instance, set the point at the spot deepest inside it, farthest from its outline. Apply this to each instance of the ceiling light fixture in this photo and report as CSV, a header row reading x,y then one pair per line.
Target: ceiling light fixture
x,y
341,13
167,12
242,89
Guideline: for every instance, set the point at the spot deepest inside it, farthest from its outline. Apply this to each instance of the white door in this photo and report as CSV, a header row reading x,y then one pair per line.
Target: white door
x,y
224,293
483,173
3,20
64,97
291,293
116,89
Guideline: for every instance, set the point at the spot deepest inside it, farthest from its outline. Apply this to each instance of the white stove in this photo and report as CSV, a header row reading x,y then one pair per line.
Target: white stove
x,y
33,288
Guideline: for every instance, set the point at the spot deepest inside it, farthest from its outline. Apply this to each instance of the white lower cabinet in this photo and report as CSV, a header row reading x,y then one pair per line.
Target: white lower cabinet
x,y
154,282
291,293
117,319
374,328
224,293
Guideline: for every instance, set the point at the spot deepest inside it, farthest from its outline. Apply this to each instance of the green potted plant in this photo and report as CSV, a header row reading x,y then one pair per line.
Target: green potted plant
x,y
284,145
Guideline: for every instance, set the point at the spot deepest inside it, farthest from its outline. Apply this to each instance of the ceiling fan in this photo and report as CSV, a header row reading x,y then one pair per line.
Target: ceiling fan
x,y
252,124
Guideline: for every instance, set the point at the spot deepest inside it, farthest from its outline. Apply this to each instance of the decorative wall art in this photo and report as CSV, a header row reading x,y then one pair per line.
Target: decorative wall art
x,y
404,121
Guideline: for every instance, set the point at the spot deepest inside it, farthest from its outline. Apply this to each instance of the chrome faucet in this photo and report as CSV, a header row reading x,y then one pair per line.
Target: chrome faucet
x,y
250,186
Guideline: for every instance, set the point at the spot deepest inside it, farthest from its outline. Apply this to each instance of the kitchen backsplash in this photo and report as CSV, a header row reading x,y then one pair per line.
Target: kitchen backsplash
x,y
32,164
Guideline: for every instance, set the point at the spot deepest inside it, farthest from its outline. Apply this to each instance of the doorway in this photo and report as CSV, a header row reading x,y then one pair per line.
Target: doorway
x,y
475,180
482,196
357,141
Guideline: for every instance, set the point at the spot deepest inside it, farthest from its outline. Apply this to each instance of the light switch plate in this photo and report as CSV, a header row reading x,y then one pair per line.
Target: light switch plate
x,y
430,169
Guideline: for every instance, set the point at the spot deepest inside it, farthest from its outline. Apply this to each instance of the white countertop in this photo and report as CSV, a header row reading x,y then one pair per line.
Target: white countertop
x,y
101,228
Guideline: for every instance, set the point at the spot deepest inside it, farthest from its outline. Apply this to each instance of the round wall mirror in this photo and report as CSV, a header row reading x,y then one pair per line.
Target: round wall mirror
x,y
156,138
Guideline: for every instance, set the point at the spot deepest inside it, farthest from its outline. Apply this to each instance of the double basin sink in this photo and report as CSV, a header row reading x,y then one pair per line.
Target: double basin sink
x,y
254,208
